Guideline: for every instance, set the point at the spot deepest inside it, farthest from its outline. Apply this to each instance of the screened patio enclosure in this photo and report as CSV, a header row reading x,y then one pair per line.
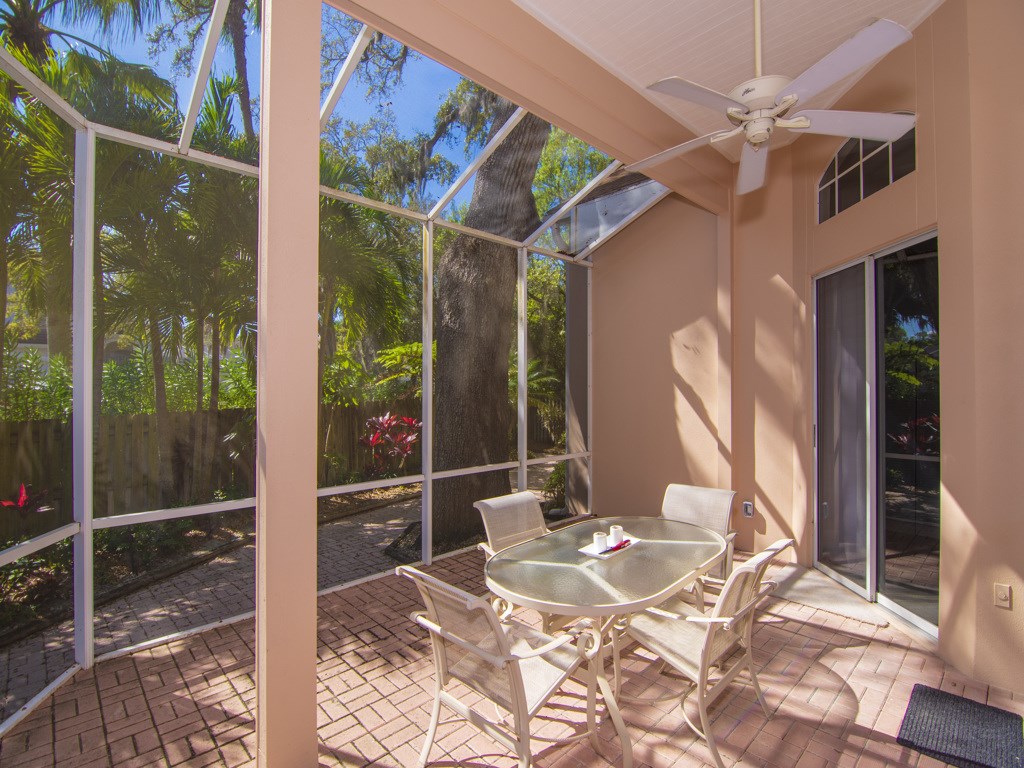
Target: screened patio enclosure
x,y
452,312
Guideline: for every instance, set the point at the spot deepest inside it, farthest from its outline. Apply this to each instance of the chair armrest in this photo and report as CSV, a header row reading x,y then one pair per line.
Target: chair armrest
x,y
572,635
558,642
709,620
485,549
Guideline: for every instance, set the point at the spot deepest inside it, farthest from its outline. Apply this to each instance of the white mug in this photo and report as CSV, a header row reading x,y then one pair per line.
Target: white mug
x,y
615,536
600,541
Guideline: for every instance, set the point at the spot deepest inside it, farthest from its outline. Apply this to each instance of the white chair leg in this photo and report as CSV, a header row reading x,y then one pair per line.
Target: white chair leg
x,y
705,721
435,715
757,685
595,740
523,747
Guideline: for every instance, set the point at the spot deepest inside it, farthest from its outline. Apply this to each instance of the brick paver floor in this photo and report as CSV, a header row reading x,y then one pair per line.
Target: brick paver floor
x,y
348,549
838,689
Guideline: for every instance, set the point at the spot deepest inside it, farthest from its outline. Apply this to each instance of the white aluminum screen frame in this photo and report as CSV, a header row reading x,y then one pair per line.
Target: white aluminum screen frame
x,y
81,530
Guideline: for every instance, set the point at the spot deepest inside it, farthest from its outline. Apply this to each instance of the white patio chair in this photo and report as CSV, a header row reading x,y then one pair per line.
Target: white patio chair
x,y
694,645
709,508
510,664
510,520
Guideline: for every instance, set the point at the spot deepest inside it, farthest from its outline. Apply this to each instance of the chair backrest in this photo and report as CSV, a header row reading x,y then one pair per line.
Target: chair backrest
x,y
468,642
740,595
707,507
511,519
765,557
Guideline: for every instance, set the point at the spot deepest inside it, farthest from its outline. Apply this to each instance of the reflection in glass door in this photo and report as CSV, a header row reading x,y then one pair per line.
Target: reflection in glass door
x,y
908,429
842,439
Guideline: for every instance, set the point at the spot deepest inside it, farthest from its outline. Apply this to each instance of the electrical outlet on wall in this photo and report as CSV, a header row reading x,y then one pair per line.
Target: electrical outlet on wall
x,y
1002,595
748,509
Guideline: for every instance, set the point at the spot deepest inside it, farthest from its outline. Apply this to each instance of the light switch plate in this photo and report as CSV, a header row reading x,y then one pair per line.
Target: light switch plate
x,y
1002,595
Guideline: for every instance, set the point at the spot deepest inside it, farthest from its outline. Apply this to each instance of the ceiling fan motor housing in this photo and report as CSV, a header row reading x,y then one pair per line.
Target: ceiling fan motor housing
x,y
760,92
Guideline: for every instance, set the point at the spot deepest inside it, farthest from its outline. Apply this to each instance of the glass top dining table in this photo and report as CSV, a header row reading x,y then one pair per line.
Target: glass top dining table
x,y
550,574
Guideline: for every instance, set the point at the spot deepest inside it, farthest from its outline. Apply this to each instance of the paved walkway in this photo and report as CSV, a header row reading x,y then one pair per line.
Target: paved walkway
x,y
347,549
837,687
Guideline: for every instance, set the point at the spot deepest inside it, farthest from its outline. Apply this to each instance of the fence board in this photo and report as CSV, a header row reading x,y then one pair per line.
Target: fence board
x,y
127,460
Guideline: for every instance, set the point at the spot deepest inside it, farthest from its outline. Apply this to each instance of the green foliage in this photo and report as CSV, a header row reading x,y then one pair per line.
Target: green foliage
x,y
31,389
237,384
128,387
911,370
31,585
554,486
345,381
403,372
566,165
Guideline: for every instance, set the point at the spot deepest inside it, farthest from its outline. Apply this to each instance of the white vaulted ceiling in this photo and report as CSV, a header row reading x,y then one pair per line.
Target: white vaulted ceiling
x,y
711,42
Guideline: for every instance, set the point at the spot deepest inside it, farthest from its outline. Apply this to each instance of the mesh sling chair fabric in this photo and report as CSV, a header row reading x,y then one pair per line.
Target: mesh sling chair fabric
x,y
694,644
510,664
510,520
709,508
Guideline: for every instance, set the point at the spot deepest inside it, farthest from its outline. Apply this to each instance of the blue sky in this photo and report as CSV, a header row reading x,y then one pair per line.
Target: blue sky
x,y
414,104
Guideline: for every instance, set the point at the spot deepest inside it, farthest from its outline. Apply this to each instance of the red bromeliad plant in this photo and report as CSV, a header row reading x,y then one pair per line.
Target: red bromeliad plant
x,y
26,502
918,436
391,440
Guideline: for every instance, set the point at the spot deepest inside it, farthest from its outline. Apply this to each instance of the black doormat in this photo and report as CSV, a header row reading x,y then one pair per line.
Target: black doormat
x,y
962,732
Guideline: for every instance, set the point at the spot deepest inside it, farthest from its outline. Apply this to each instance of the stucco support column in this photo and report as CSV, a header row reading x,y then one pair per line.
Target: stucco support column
x,y
577,383
286,410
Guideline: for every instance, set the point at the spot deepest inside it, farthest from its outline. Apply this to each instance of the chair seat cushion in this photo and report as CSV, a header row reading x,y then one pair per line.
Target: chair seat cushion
x,y
666,632
542,675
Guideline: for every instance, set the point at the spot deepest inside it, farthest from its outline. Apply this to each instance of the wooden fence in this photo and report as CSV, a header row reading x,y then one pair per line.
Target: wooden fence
x,y
128,459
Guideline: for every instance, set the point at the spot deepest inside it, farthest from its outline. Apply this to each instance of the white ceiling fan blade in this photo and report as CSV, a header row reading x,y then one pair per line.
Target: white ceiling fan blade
x,y
880,126
753,167
697,94
867,46
668,154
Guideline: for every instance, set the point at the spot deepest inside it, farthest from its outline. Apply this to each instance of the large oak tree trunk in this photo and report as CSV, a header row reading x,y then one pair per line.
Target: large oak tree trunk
x,y
475,332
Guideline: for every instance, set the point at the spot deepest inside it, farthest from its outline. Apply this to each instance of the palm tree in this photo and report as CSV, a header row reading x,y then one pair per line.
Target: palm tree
x,y
15,214
141,246
104,89
219,217
367,273
242,17
26,24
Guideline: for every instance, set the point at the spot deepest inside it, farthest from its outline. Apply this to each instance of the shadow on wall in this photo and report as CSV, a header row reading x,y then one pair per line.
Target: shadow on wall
x,y
767,405
994,649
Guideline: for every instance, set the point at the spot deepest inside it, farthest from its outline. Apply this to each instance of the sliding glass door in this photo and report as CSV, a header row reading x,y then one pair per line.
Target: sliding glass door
x,y
842,427
908,415
877,429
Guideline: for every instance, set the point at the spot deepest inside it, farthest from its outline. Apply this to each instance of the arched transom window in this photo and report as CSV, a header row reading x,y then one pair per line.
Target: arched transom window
x,y
860,168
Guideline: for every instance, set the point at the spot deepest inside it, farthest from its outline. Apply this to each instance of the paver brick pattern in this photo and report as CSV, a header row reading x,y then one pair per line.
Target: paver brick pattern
x,y
838,689
348,549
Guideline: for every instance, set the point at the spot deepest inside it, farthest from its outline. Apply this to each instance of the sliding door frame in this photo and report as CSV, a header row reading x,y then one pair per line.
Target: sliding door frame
x,y
869,265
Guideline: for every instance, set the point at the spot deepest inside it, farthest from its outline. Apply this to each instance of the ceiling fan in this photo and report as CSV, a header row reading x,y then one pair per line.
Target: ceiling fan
x,y
758,106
